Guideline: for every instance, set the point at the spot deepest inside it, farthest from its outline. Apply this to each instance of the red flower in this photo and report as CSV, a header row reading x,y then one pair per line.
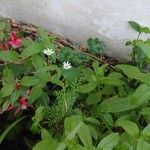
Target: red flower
x,y
23,105
15,41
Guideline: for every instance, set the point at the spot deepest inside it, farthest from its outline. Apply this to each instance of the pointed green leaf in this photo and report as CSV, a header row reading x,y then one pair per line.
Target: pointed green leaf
x,y
130,127
134,73
135,26
36,92
7,90
86,88
109,142
32,49
85,135
29,81
143,145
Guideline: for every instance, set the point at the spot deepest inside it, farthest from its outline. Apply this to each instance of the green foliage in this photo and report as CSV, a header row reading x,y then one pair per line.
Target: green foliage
x,y
9,56
130,127
4,28
109,142
96,46
76,58
140,29
88,106
65,99
140,48
135,26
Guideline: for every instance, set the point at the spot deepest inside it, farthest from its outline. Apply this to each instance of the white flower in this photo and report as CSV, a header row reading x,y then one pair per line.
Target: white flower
x,y
67,65
48,51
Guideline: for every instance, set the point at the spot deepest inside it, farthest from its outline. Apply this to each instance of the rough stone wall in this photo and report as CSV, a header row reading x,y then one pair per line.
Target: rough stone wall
x,y
80,19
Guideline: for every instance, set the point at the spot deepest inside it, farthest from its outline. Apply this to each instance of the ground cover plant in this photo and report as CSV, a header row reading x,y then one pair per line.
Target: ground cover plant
x,y
58,96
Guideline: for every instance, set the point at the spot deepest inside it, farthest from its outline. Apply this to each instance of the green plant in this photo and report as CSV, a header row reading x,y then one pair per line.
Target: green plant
x,y
96,46
75,101
140,48
76,129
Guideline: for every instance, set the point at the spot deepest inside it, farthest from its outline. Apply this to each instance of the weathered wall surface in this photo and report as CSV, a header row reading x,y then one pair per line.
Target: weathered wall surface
x,y
80,19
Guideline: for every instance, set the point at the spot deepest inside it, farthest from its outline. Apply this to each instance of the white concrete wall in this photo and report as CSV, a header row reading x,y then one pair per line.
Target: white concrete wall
x,y
80,19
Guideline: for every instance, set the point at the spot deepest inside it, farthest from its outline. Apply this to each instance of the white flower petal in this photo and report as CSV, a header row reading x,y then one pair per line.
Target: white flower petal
x,y
48,52
67,65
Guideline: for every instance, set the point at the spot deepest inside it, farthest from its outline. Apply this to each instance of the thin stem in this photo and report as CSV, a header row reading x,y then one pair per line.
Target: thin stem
x,y
139,35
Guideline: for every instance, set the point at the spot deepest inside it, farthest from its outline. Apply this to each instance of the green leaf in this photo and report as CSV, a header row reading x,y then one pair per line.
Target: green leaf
x,y
26,42
6,131
135,26
145,47
37,119
39,114
43,100
2,25
94,132
87,74
55,79
116,104
5,106
7,89
130,127
72,134
20,69
61,146
109,142
36,92
111,81
145,111
2,36
32,49
134,73
45,134
138,97
73,145
8,76
107,119
11,56
85,135
143,145
14,96
93,120
126,142
37,61
46,144
94,98
70,123
145,30
146,133
43,35
72,126
70,74
29,81
88,87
